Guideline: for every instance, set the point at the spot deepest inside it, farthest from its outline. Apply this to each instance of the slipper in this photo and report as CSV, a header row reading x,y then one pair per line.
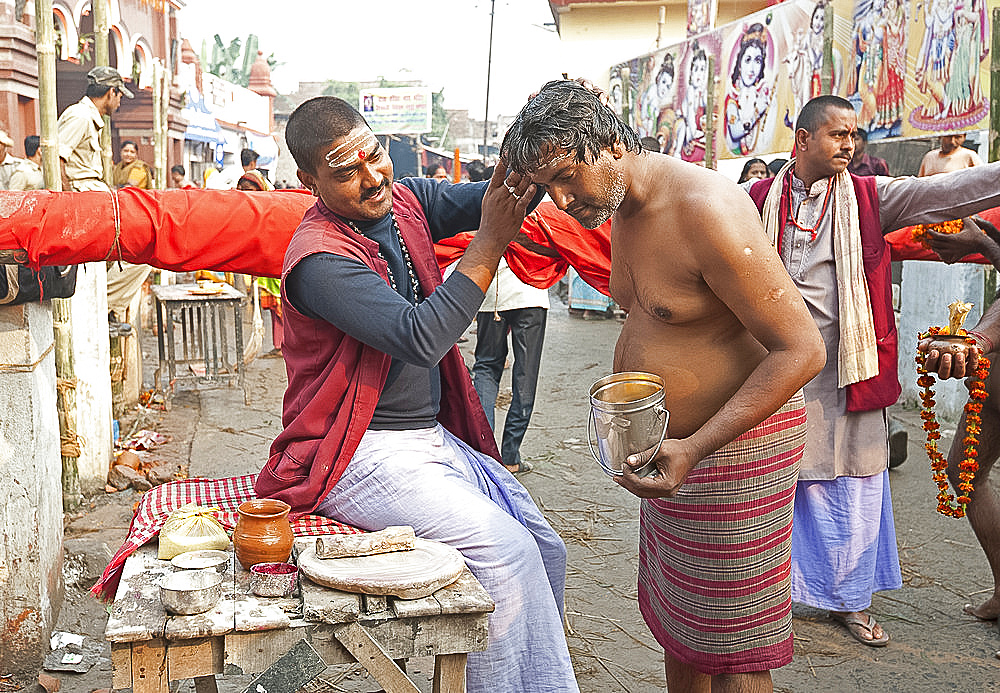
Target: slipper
x,y
968,608
521,468
858,628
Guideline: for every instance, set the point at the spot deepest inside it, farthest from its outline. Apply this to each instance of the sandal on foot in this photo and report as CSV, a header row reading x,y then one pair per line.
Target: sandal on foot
x,y
520,468
859,628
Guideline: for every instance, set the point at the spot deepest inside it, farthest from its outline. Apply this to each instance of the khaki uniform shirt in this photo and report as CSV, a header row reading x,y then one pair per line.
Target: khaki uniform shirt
x,y
27,176
80,128
7,168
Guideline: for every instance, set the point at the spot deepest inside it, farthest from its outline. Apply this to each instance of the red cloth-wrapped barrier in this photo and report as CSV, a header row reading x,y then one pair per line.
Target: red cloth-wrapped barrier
x,y
181,230
237,231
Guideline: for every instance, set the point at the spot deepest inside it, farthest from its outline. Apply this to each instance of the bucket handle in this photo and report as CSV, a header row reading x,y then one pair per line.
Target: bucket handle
x,y
649,469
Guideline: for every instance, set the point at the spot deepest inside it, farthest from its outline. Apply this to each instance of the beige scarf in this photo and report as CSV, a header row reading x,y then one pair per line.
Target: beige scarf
x,y
857,358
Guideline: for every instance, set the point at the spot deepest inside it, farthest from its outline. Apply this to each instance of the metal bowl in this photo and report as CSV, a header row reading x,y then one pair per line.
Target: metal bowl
x,y
273,579
191,591
204,559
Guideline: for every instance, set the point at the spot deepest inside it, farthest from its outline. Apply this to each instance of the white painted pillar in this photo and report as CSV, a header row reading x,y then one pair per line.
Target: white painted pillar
x,y
92,359
31,518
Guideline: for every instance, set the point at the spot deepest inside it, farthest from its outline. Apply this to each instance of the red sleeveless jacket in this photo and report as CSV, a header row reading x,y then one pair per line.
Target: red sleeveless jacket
x,y
883,389
334,381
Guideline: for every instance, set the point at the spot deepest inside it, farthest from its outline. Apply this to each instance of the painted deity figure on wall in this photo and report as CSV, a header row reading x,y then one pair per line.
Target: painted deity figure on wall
x,y
749,94
689,136
890,84
656,106
934,56
804,62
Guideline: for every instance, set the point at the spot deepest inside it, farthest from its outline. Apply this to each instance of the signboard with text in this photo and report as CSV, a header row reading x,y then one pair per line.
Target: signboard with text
x,y
397,110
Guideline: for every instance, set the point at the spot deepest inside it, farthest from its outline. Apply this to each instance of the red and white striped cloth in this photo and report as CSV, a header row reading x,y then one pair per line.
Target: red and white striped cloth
x,y
157,504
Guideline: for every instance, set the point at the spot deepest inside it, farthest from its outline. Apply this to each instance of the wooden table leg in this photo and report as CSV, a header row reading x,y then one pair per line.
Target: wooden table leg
x,y
374,659
149,666
449,673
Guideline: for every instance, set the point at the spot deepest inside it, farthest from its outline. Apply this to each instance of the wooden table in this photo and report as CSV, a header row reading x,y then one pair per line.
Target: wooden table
x,y
245,634
205,353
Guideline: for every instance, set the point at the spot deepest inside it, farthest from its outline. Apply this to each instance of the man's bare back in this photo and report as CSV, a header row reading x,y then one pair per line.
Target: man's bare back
x,y
688,251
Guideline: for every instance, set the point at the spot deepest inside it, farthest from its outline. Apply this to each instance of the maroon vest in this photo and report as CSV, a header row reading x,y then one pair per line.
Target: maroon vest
x,y
883,389
334,381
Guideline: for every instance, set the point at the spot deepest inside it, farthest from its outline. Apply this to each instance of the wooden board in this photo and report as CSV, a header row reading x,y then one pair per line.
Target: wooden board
x,y
404,574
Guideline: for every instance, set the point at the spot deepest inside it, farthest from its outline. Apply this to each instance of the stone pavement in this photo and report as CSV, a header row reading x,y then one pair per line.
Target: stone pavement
x,y
935,646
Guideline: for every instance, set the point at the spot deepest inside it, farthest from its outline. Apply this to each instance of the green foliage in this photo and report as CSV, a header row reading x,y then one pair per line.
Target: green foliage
x,y
232,62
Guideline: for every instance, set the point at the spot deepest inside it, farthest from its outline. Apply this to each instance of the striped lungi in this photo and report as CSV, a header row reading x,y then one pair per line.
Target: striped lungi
x,y
714,561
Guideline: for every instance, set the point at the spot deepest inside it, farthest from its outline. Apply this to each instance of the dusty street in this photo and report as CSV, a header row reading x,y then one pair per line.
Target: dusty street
x,y
935,647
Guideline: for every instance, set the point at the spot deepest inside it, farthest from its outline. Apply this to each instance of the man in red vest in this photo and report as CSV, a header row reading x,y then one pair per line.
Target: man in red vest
x,y
828,226
381,423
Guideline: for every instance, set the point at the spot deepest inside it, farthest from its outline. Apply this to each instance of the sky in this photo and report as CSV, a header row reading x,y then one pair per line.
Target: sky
x,y
444,43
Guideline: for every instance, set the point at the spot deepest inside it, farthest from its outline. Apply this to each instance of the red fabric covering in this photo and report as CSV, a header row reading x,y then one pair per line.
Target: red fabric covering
x,y
157,504
181,230
587,250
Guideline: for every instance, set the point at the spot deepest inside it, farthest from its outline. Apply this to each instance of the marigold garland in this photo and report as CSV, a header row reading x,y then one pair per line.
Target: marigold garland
x,y
919,233
973,426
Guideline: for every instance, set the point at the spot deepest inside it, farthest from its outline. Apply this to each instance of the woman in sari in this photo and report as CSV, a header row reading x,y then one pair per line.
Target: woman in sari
x,y
131,170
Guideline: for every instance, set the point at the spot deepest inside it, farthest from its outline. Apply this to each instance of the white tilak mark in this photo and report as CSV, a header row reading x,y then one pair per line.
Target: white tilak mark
x,y
362,142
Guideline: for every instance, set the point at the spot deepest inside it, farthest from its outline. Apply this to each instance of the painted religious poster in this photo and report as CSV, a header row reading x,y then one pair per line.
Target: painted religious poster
x,y
911,68
701,16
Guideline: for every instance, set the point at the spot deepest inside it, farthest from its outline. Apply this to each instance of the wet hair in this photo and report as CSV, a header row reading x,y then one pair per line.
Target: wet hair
x,y
313,127
248,156
813,114
126,143
178,169
745,176
564,116
31,145
753,37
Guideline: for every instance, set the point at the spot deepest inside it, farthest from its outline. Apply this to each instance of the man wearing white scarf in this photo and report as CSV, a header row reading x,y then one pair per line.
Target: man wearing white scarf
x,y
821,219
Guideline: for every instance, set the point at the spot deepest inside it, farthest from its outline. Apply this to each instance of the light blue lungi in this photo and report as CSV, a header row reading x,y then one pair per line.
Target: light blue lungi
x,y
583,296
430,480
843,542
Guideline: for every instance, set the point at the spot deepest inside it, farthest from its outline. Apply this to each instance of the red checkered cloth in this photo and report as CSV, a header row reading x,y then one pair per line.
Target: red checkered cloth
x,y
157,504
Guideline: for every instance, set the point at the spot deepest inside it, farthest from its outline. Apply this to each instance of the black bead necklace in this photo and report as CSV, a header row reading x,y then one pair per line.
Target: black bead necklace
x,y
408,261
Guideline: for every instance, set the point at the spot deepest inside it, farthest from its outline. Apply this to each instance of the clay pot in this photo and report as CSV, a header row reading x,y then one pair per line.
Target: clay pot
x,y
263,534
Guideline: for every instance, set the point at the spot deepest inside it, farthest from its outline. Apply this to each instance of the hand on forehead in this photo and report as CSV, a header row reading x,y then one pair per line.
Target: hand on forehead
x,y
357,146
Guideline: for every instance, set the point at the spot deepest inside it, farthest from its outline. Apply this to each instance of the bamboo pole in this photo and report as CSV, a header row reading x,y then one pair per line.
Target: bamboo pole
x,y
158,118
102,56
994,149
709,127
62,326
826,76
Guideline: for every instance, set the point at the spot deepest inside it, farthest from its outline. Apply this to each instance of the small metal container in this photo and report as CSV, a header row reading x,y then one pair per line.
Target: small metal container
x,y
191,591
273,579
204,559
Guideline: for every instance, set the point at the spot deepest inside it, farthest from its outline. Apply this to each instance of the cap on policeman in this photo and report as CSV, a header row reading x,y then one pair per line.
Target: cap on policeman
x,y
108,77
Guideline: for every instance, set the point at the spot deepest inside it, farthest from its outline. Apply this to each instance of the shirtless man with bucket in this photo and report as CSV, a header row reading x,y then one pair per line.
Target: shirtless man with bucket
x,y
713,312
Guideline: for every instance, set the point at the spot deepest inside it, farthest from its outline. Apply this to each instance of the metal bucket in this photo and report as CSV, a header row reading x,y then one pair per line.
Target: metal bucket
x,y
627,414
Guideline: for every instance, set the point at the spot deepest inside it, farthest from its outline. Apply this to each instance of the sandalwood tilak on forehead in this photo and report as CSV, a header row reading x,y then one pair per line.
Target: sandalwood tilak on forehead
x,y
350,151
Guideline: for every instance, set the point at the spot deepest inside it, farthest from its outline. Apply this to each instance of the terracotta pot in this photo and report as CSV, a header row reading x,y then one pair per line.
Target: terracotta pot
x,y
263,534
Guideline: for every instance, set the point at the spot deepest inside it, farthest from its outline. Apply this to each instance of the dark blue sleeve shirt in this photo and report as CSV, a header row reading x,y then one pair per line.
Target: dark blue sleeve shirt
x,y
355,299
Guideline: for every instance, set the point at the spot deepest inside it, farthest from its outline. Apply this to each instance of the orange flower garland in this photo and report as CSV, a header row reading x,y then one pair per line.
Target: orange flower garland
x,y
919,232
973,426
